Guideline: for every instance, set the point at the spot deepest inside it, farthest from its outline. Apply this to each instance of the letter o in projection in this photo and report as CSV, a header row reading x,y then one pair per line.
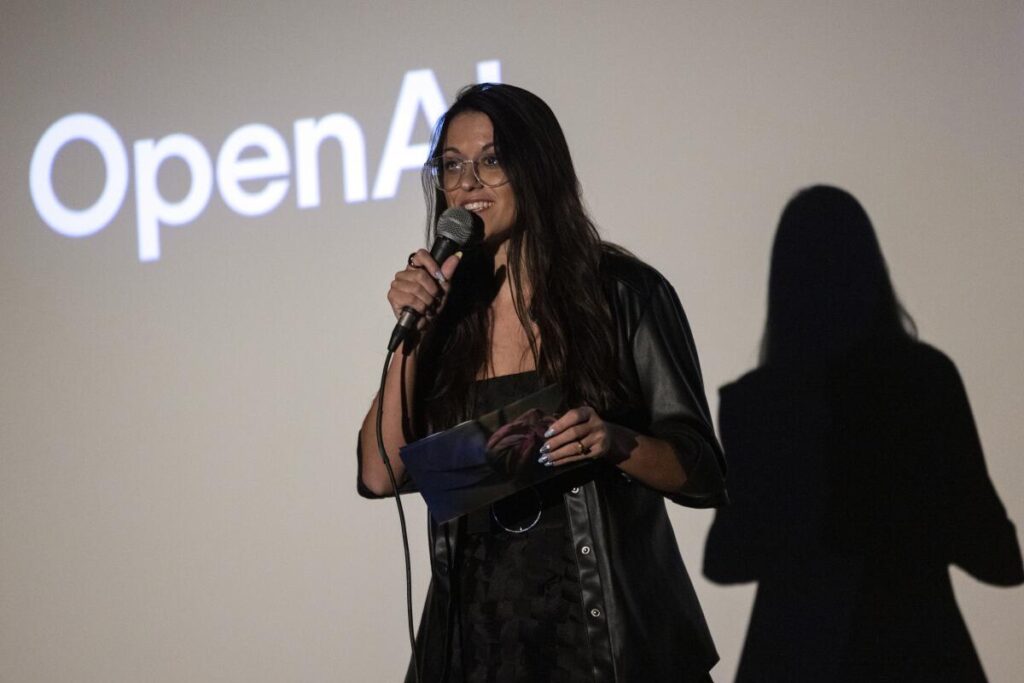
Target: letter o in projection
x,y
92,129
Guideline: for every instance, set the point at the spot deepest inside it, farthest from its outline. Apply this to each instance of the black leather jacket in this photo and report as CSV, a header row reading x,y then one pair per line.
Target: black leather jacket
x,y
644,622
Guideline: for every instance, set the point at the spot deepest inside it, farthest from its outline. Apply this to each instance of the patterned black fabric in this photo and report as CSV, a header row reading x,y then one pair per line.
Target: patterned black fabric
x,y
518,595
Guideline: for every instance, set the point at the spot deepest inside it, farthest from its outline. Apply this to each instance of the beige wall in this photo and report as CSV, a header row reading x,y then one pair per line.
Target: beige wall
x,y
176,437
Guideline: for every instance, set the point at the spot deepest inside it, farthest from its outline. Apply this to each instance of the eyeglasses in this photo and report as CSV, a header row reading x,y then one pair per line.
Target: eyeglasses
x,y
446,172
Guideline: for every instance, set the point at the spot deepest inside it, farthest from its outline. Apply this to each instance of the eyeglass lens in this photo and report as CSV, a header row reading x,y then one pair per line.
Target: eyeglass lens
x,y
448,172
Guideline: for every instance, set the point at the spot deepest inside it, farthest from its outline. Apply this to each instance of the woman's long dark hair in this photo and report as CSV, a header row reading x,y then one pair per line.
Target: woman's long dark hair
x,y
553,248
829,288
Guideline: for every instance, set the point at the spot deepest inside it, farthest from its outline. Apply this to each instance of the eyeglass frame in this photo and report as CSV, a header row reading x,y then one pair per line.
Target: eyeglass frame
x,y
429,167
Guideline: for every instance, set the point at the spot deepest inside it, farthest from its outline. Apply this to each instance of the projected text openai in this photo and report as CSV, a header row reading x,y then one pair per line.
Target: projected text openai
x,y
253,152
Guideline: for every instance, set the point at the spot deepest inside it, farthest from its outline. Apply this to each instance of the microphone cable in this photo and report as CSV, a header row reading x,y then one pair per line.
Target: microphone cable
x,y
401,513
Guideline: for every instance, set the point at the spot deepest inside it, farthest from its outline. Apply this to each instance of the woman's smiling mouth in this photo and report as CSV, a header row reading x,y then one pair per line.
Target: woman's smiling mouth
x,y
476,206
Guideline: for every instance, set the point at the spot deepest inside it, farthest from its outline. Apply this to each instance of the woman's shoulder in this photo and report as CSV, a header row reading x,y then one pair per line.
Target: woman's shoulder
x,y
622,269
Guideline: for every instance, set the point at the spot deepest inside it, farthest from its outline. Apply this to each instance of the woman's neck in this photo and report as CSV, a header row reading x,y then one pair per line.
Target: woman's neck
x,y
503,275
500,252
509,349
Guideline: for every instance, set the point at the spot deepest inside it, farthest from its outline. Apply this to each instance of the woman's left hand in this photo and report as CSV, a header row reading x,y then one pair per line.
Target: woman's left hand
x,y
580,434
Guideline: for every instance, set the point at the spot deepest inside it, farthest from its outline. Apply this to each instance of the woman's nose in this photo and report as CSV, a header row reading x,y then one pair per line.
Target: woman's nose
x,y
469,181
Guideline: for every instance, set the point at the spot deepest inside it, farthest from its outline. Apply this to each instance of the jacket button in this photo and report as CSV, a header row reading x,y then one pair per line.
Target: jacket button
x,y
575,490
595,613
585,550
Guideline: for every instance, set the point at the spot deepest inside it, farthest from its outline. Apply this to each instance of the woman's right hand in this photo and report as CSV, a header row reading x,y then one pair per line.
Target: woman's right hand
x,y
422,286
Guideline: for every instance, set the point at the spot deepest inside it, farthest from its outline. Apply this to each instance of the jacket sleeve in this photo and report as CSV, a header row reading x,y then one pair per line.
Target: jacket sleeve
x,y
669,377
405,487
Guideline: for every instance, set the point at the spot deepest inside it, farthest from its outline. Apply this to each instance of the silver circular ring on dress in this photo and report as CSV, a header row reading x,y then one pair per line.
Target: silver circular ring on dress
x,y
522,529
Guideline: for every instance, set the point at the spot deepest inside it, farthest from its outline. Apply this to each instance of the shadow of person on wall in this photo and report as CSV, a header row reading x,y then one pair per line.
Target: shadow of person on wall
x,y
856,473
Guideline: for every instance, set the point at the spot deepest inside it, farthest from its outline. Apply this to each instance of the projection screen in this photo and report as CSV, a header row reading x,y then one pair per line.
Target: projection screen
x,y
204,203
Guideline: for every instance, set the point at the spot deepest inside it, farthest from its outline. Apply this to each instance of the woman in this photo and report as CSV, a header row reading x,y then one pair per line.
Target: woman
x,y
583,581
857,473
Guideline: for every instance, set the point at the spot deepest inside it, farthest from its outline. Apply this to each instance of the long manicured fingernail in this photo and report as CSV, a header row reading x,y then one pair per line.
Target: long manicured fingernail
x,y
548,434
545,448
549,464
439,276
543,460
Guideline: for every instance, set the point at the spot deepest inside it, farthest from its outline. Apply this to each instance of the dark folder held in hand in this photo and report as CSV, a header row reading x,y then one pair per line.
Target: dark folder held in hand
x,y
481,461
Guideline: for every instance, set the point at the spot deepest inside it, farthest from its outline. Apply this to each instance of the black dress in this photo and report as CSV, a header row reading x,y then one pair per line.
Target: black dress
x,y
517,593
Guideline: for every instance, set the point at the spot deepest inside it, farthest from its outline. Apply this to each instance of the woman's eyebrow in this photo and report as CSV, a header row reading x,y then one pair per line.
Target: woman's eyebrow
x,y
489,145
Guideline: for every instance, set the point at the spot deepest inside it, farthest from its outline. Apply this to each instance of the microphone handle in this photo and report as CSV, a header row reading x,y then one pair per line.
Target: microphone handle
x,y
440,251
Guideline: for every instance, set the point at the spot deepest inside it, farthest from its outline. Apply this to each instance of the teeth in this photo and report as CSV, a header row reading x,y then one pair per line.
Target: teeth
x,y
477,206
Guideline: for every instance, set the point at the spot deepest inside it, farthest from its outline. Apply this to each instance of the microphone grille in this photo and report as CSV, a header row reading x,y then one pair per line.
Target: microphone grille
x,y
457,225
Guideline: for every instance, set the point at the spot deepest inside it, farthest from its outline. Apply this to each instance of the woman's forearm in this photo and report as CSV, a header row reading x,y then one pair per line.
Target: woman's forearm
x,y
398,390
582,434
647,459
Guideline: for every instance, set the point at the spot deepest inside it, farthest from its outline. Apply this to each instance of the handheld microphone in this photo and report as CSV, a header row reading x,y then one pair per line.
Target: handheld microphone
x,y
456,230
